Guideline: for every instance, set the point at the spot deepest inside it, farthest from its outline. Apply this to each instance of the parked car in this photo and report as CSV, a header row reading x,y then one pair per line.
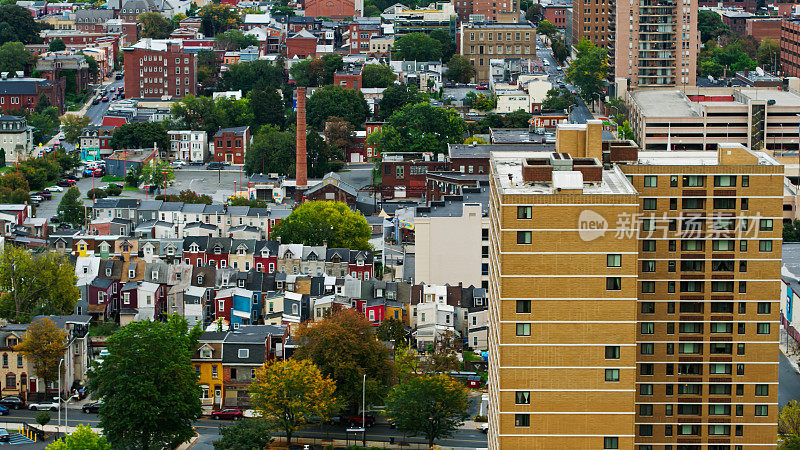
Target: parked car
x,y
56,188
45,195
214,166
3,411
4,435
12,401
92,408
96,101
36,199
356,420
482,88
178,163
227,414
43,406
104,99
484,428
118,76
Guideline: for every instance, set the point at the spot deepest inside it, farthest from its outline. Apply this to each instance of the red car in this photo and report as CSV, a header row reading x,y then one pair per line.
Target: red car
x,y
227,414
482,88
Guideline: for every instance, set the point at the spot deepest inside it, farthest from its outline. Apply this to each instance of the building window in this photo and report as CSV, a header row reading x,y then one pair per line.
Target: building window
x,y
614,260
610,443
650,181
523,306
524,329
523,237
612,375
612,352
524,212
613,283
523,398
522,420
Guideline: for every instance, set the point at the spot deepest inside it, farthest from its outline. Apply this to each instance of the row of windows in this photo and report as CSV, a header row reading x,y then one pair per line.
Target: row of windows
x,y
698,245
524,329
697,180
717,307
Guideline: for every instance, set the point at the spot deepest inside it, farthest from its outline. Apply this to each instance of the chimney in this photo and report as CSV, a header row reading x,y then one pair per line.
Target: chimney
x,y
300,164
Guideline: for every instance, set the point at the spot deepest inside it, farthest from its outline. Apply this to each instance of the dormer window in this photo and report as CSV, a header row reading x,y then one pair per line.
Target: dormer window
x,y
206,353
241,283
154,274
240,251
199,279
243,352
177,276
108,271
217,250
294,308
170,251
131,274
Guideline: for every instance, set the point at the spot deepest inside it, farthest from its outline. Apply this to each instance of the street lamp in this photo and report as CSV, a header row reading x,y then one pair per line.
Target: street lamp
x,y
234,188
165,184
59,391
364,411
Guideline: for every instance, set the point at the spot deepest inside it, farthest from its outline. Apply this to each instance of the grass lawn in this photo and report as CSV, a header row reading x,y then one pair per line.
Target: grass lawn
x,y
110,178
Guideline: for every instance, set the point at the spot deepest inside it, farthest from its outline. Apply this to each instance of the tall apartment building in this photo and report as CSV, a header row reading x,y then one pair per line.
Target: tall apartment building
x,y
636,305
156,68
656,43
593,20
482,42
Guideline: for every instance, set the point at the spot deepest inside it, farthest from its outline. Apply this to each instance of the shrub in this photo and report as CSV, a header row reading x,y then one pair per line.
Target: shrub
x,y
96,193
113,190
480,418
43,418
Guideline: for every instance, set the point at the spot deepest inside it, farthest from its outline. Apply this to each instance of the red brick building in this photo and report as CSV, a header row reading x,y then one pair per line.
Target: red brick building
x,y
158,68
764,28
350,77
556,13
301,44
23,93
403,174
360,35
230,144
372,127
78,40
790,48
736,20
330,8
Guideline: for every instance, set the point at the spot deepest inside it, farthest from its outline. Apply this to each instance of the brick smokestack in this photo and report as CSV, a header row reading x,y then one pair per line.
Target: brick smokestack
x,y
301,164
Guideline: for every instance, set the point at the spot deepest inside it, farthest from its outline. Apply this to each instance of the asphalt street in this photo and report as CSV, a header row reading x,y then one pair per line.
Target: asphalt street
x,y
96,112
579,113
208,430
789,381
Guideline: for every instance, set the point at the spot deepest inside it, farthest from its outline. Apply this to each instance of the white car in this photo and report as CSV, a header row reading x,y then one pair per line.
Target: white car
x,y
178,163
43,406
54,189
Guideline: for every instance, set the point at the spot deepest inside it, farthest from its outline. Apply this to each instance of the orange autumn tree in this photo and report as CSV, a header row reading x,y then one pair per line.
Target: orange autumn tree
x,y
287,394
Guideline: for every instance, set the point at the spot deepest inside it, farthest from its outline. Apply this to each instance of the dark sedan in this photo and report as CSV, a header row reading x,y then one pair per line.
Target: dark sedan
x,y
92,408
13,402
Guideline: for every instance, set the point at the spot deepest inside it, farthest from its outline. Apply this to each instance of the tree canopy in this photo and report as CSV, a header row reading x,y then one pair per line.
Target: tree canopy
x,y
396,96
558,100
336,101
218,18
17,24
43,346
316,71
288,394
34,284
83,438
313,223
141,410
448,44
14,57
417,47
547,28
70,210
433,406
272,150
73,125
710,25
245,434
156,172
234,40
589,71
154,25
768,51
560,51
257,74
57,45
789,426
719,61
377,76
140,135
459,69
344,348
420,128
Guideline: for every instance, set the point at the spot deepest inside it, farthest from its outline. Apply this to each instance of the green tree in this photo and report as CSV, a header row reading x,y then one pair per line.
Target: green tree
x,y
625,131
768,51
218,18
70,210
42,418
14,57
279,10
140,135
533,13
287,394
266,107
546,28
420,128
272,150
789,426
791,231
433,406
558,100
154,25
397,96
344,348
73,125
45,124
474,140
141,410
517,119
245,434
43,346
560,51
322,158
336,101
17,24
377,76
316,71
235,40
246,76
459,69
448,44
313,223
157,172
83,438
417,47
208,65
589,71
57,45
34,284
94,67
392,330
710,25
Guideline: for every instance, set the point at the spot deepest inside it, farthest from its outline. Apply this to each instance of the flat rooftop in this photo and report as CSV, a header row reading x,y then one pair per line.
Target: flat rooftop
x,y
661,103
696,158
509,178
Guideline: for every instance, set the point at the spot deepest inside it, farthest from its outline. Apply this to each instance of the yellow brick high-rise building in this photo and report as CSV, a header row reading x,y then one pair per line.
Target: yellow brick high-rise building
x,y
634,305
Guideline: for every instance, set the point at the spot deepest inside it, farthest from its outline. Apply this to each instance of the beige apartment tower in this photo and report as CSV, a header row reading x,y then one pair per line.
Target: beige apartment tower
x,y
656,42
634,305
